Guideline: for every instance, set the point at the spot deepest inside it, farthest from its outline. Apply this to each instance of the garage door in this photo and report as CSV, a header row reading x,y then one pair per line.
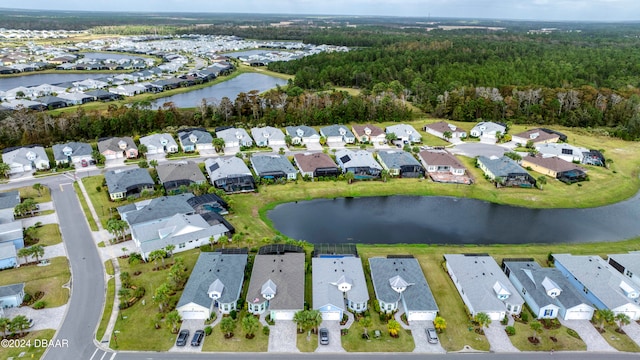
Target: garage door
x,y
495,316
420,316
282,315
194,315
110,156
578,315
331,315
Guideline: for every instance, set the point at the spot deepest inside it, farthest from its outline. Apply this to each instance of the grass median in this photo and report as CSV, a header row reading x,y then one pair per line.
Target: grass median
x,y
85,208
108,309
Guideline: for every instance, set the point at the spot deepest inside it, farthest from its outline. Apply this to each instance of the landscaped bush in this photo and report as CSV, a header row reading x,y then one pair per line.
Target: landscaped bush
x,y
135,258
266,330
233,314
504,321
208,330
510,330
39,305
573,333
524,316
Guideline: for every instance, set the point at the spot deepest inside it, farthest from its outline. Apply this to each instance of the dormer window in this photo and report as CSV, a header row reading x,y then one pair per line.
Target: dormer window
x,y
163,141
31,156
367,131
342,131
501,291
215,289
398,284
344,284
122,144
552,289
268,290
628,290
534,135
193,138
300,132
67,151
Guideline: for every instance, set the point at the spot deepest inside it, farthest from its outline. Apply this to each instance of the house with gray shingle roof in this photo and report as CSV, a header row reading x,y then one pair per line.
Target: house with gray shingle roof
x,y
441,128
130,182
11,233
405,133
11,296
195,140
8,201
72,153
400,163
337,134
399,281
27,158
488,130
277,285
302,135
602,285
159,144
273,167
627,264
156,209
117,148
231,174
235,137
268,136
547,292
8,256
215,282
505,172
444,167
338,285
361,163
483,286
175,174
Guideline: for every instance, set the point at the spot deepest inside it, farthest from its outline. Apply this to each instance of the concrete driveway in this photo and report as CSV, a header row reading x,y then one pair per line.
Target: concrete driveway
x,y
282,337
589,334
44,219
42,319
335,338
478,149
420,338
633,331
498,338
314,146
231,150
192,326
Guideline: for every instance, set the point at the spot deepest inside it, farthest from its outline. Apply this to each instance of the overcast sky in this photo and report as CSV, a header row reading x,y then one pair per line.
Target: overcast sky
x,y
597,10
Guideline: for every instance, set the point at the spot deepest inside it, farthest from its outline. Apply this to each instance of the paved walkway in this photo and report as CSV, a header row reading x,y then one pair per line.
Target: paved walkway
x,y
50,318
106,338
350,320
44,219
589,334
115,251
633,331
420,338
335,337
282,337
498,338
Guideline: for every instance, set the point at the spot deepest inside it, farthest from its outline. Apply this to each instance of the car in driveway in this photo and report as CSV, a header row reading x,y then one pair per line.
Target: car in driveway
x,y
432,336
84,163
197,338
30,324
183,336
324,336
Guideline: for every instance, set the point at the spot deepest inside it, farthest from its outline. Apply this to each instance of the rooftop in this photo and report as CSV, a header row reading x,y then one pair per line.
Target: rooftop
x,y
287,272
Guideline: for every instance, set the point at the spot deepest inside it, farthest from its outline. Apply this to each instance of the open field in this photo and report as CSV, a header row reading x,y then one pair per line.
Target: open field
x,y
30,352
48,279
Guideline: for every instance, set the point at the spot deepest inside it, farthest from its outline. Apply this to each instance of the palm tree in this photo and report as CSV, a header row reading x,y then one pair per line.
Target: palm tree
x,y
19,323
157,255
393,327
315,319
212,240
37,251
384,175
24,253
153,163
227,325
622,319
299,318
440,323
142,149
390,137
161,295
38,188
536,326
250,325
237,238
482,319
366,322
169,248
447,135
124,251
174,319
349,176
542,180
5,169
605,316
5,324
218,144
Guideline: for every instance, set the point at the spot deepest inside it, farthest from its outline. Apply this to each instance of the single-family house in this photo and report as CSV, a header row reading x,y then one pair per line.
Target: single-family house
x,y
164,207
369,134
75,98
400,163
482,286
361,163
231,174
11,295
130,182
547,292
8,202
337,134
555,167
268,136
302,135
316,164
273,167
25,159
8,256
488,130
117,148
398,281
173,175
235,137
564,151
159,144
505,172
444,167
603,286
446,131
52,102
535,136
405,133
195,140
215,283
338,285
11,233
103,95
277,283
72,153
626,264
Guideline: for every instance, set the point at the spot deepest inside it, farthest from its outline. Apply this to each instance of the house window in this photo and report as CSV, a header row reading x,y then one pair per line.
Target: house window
x,y
548,312
584,288
181,245
508,307
515,309
629,273
389,307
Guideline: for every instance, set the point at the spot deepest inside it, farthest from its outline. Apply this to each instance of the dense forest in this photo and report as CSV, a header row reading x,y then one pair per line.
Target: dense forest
x,y
275,108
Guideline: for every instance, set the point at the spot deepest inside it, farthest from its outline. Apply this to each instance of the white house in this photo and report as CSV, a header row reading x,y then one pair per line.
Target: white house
x,y
627,264
405,133
488,131
338,284
440,128
268,136
159,144
25,159
235,137
303,135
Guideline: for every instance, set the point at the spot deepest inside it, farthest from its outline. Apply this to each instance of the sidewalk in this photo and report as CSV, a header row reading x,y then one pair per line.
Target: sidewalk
x,y
106,338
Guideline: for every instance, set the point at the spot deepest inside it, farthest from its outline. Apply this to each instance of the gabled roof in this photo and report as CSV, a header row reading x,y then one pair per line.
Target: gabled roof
x,y
158,208
7,251
22,154
402,130
180,170
502,167
440,158
9,199
309,162
443,126
262,134
336,130
200,137
271,163
395,159
76,148
387,273
561,149
114,143
11,290
552,163
234,134
121,180
327,273
533,278
301,131
630,261
227,268
285,271
363,129
359,158
537,135
158,140
11,231
488,126
219,168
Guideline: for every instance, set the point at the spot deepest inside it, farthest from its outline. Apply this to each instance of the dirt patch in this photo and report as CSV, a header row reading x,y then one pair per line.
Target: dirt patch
x,y
533,340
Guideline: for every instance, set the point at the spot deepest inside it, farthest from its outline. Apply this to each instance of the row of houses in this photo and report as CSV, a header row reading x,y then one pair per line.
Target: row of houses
x,y
277,283
572,290
11,234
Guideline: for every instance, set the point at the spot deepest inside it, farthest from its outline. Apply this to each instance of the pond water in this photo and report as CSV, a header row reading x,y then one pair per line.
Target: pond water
x,y
231,89
36,79
447,220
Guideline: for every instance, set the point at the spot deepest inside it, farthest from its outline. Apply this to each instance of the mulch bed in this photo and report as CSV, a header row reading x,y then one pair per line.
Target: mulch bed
x,y
620,331
533,340
553,338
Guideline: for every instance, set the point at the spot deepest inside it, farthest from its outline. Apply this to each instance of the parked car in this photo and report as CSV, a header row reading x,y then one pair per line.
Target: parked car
x,y
84,163
183,336
432,336
324,336
30,324
197,338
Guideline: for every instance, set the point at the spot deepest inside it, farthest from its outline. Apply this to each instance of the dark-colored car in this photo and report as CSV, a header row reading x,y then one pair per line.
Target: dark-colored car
x,y
197,338
324,336
432,336
182,338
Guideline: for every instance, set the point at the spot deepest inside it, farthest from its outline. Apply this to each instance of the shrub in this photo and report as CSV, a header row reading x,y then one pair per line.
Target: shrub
x,y
39,305
266,330
135,258
98,188
573,333
208,330
510,330
524,317
233,314
26,298
504,321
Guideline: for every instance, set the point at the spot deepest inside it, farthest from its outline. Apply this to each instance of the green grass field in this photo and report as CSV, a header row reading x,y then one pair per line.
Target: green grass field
x,y
48,279
34,351
48,234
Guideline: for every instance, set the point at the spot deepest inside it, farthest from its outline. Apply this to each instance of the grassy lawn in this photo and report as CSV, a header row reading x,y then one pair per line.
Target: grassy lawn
x,y
30,192
85,208
108,308
622,342
100,199
31,352
305,344
48,235
353,341
565,341
108,266
136,330
48,279
238,343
